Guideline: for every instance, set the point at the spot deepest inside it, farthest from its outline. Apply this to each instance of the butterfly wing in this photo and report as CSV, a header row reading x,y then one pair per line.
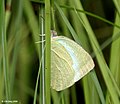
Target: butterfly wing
x,y
62,73
82,61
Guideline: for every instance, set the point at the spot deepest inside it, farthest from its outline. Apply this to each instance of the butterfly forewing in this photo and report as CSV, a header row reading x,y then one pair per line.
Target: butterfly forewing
x,y
68,57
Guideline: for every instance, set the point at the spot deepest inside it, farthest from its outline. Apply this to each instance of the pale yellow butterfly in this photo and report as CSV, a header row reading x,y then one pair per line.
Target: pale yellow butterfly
x,y
69,62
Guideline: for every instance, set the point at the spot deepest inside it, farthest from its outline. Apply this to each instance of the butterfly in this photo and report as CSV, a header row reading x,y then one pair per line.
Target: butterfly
x,y
69,62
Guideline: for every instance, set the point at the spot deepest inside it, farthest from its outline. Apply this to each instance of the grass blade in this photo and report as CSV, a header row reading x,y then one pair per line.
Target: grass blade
x,y
4,49
47,51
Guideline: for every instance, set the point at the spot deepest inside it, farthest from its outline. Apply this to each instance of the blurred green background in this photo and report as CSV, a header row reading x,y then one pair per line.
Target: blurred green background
x,y
94,24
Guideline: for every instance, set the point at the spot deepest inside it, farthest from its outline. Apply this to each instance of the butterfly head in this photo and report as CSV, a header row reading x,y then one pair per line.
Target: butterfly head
x,y
53,33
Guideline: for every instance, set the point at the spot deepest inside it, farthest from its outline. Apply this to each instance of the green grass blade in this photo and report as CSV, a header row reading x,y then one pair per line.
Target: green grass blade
x,y
38,77
32,21
66,96
47,52
115,57
68,24
65,31
86,89
117,5
90,14
98,87
1,82
55,97
42,53
36,87
73,94
4,48
17,23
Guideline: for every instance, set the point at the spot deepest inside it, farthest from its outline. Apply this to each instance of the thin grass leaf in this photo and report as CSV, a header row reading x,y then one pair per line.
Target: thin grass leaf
x,y
32,21
98,87
42,54
117,5
68,24
86,89
17,24
47,52
114,58
62,97
55,97
90,90
38,77
90,14
73,94
65,31
78,27
4,49
36,87
66,96
1,82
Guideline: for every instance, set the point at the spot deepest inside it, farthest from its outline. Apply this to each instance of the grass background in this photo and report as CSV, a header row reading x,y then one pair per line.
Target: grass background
x,y
92,24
